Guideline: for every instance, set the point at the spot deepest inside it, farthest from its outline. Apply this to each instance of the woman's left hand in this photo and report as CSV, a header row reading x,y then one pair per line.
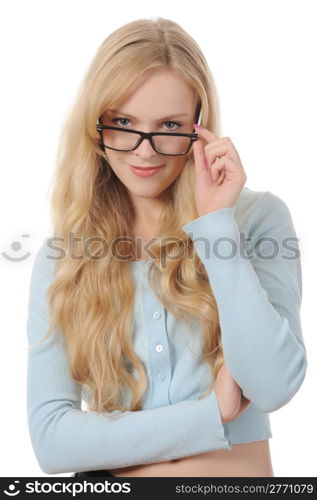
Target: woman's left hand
x,y
230,399
219,173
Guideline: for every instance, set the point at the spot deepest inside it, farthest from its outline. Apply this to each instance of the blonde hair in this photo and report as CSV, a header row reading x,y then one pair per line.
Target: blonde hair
x,y
91,299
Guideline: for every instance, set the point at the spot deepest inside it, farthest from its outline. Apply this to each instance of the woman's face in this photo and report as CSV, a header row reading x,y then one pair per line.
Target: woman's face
x,y
153,107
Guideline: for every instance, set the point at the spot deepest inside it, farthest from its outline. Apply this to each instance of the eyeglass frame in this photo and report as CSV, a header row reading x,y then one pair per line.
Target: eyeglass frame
x,y
146,135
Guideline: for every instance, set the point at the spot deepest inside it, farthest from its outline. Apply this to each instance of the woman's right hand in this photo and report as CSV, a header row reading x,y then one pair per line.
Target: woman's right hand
x,y
231,402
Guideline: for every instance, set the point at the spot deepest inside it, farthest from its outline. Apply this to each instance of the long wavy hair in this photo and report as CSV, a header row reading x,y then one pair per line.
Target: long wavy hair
x,y
91,299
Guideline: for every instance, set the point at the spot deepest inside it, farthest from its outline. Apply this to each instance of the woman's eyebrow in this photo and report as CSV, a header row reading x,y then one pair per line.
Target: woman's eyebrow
x,y
117,111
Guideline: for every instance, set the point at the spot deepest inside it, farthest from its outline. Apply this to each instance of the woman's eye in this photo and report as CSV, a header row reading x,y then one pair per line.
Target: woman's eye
x,y
115,120
175,123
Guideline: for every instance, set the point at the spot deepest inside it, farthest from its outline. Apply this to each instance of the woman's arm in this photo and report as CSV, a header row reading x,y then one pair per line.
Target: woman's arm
x,y
258,299
67,439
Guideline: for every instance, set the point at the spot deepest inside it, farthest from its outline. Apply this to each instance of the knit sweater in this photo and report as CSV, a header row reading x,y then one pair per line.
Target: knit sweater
x,y
252,258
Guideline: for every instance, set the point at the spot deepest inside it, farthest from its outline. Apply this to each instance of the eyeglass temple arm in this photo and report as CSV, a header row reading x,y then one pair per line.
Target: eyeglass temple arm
x,y
199,117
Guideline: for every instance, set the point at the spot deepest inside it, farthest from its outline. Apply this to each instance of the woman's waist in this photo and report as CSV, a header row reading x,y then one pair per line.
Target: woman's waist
x,y
245,459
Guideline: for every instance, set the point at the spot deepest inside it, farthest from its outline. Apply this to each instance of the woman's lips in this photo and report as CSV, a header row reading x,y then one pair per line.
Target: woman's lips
x,y
145,171
149,167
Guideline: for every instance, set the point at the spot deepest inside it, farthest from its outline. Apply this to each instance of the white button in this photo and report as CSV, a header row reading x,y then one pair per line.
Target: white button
x,y
159,347
161,376
156,315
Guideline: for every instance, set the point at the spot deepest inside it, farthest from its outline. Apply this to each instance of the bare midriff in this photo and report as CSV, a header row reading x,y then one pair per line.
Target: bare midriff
x,y
243,460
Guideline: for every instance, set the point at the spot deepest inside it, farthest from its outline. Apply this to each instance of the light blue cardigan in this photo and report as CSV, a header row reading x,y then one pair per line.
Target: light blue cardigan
x,y
258,299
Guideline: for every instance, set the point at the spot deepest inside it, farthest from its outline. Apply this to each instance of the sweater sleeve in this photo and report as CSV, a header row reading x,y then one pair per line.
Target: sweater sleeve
x,y
258,291
66,439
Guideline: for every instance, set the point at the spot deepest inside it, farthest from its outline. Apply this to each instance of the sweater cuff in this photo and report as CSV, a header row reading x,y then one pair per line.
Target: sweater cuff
x,y
217,434
214,223
216,234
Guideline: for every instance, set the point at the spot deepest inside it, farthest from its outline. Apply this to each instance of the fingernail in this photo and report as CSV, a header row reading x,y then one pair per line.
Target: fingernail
x,y
197,126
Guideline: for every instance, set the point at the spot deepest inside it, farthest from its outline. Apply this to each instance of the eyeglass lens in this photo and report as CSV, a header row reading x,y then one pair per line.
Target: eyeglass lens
x,y
163,143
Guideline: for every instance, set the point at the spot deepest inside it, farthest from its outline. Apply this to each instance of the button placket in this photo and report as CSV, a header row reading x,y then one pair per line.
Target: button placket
x,y
159,355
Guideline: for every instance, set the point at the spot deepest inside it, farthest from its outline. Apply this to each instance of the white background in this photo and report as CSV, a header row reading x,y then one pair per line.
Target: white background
x,y
263,58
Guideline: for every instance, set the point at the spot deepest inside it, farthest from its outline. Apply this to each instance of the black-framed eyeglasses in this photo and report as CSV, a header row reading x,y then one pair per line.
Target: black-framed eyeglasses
x,y
163,143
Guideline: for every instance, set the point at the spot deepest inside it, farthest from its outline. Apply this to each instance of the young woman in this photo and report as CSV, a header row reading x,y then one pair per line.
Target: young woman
x,y
165,310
